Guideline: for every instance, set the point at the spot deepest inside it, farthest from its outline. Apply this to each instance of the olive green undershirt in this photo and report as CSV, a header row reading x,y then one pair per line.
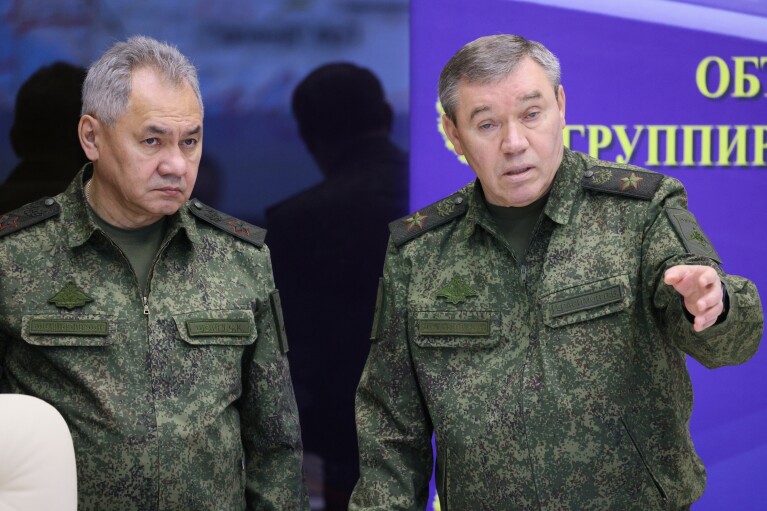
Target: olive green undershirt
x,y
139,245
517,224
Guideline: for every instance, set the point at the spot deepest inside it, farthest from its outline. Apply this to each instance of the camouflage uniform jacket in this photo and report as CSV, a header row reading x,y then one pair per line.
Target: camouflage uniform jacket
x,y
180,400
557,382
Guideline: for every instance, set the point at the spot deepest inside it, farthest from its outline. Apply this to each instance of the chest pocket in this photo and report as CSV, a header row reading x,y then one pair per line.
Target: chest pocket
x,y
217,327
456,329
586,302
69,330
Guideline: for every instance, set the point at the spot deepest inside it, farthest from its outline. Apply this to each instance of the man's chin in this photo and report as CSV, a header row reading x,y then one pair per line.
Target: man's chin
x,y
168,207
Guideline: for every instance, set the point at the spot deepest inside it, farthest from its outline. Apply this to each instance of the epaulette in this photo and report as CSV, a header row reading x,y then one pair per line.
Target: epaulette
x,y
243,230
428,218
622,180
30,214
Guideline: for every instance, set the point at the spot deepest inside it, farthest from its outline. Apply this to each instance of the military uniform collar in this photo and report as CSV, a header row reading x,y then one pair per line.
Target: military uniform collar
x,y
565,188
80,225
477,214
559,207
184,221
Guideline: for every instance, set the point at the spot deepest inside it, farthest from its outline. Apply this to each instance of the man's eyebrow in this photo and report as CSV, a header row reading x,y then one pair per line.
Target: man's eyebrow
x,y
158,130
533,95
479,110
526,98
194,131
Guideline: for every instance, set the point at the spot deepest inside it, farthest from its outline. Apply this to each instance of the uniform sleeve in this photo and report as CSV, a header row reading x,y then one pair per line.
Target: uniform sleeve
x,y
393,427
3,348
670,242
4,343
4,340
269,416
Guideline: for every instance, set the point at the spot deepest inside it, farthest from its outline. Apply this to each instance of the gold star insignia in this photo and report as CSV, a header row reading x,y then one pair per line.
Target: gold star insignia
x,y
631,182
415,221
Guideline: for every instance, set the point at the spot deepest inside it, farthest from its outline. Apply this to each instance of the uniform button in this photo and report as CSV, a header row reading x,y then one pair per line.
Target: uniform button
x,y
197,204
49,202
588,173
458,200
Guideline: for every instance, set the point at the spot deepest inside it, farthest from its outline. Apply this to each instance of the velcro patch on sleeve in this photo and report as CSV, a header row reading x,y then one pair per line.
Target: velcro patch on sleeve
x,y
690,233
375,331
279,322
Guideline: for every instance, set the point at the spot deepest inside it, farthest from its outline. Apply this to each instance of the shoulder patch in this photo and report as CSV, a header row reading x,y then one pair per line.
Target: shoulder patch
x,y
279,323
691,234
632,182
247,232
428,218
30,214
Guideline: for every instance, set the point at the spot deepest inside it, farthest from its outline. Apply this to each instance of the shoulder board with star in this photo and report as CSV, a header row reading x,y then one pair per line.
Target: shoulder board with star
x,y
247,232
622,180
428,218
29,214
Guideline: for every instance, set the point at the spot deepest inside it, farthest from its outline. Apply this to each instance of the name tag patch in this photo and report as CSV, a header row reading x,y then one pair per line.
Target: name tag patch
x,y
68,327
463,327
587,300
218,327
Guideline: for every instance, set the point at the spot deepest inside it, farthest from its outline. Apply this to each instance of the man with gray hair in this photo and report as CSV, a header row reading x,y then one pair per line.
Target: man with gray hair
x,y
537,321
151,321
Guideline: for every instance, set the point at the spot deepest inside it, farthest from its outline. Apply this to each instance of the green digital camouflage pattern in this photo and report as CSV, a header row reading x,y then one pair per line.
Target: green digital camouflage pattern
x,y
560,385
167,412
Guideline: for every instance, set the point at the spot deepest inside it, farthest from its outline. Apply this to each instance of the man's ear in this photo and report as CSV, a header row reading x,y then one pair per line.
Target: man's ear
x,y
452,134
89,131
561,104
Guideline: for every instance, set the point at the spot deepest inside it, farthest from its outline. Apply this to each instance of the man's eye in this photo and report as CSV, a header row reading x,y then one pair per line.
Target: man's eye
x,y
189,142
151,141
533,115
486,126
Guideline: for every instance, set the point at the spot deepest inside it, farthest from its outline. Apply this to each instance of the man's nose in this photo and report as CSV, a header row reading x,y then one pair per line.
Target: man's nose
x,y
514,139
174,162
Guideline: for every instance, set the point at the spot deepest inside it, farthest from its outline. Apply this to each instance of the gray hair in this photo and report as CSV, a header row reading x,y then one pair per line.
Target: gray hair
x,y
490,59
107,86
